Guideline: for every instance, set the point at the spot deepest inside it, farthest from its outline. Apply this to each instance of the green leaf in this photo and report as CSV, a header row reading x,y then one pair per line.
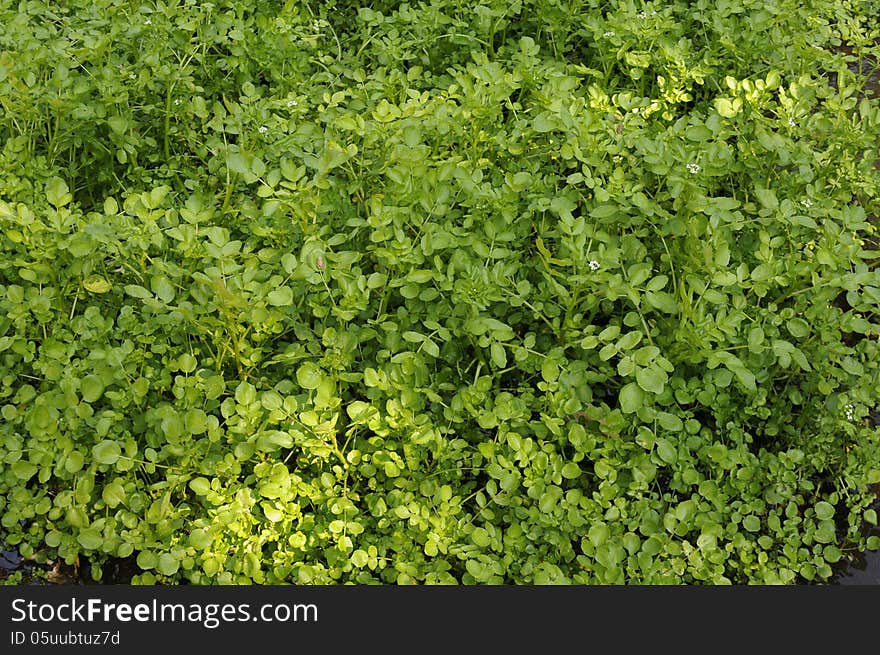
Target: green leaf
x,y
187,363
371,377
824,510
200,539
106,452
74,461
631,398
832,554
90,539
598,534
571,470
147,560
163,288
91,388
662,300
137,291
200,485
113,494
23,470
97,284
309,375
57,192
498,354
167,564
735,366
728,107
651,379
751,523
480,537
543,122
245,393
798,327
280,297
238,163
433,349
273,440
669,421
549,370
666,451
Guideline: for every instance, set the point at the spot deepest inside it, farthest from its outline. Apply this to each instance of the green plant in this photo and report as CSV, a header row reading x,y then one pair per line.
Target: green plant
x,y
321,293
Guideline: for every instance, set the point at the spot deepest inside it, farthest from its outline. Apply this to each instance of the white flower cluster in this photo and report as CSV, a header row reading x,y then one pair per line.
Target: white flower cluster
x,y
608,33
594,265
850,412
692,168
263,129
807,203
291,103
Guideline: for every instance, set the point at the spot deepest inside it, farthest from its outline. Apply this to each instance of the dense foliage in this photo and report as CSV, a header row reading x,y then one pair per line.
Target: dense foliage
x,y
529,291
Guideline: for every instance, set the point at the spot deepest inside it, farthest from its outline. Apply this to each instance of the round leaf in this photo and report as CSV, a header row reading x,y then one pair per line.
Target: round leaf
x,y
187,363
91,387
751,523
651,379
167,564
113,494
571,471
666,451
200,485
308,375
147,560
106,452
90,539
631,398
280,297
23,470
74,461
96,284
824,510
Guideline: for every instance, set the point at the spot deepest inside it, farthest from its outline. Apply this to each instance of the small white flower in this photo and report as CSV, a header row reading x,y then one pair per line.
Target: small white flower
x,y
148,22
642,15
594,265
693,168
291,103
608,33
806,202
791,122
850,412
316,26
177,101
263,129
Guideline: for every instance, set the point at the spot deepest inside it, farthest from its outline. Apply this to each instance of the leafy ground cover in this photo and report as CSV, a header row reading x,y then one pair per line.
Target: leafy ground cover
x,y
541,291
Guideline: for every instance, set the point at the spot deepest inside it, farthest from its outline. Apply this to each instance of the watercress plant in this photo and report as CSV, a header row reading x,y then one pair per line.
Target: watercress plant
x,y
439,292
